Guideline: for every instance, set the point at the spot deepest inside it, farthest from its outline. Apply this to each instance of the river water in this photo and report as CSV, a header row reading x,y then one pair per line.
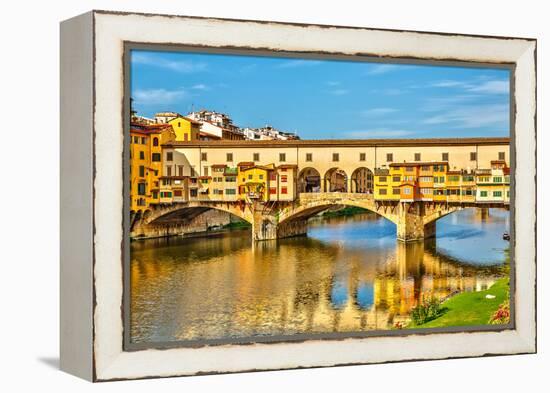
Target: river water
x,y
348,275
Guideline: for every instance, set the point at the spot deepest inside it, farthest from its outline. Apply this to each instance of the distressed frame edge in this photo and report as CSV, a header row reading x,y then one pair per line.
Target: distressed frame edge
x,y
528,340
76,208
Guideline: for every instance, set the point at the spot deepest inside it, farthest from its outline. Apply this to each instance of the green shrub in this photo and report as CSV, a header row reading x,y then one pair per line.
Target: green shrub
x,y
426,310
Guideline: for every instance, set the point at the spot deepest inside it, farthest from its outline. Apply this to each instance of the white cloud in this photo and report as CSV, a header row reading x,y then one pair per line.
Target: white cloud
x,y
381,69
435,104
379,133
374,112
449,83
485,87
333,83
472,116
158,96
298,63
183,66
492,87
339,92
200,86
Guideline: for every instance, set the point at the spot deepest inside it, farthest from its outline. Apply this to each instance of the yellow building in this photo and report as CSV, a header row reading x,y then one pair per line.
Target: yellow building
x,y
254,182
426,182
454,186
146,142
411,181
383,189
440,177
186,129
493,185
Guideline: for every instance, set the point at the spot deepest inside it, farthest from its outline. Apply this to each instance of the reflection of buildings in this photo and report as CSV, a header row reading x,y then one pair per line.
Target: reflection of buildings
x,y
287,288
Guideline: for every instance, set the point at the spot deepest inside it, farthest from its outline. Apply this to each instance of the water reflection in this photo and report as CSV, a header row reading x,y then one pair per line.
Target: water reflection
x,y
349,274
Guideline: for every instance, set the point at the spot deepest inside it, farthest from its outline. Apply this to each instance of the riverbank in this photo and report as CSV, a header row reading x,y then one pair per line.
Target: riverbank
x,y
344,212
237,225
470,308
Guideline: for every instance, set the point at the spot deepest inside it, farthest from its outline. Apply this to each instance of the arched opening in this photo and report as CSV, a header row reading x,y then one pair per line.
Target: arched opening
x,y
362,181
336,180
311,211
309,180
188,214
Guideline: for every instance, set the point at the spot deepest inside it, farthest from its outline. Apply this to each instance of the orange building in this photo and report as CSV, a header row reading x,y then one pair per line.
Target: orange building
x,y
420,181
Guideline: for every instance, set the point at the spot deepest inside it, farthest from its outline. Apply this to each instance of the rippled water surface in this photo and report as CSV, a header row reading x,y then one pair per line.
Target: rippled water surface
x,y
348,274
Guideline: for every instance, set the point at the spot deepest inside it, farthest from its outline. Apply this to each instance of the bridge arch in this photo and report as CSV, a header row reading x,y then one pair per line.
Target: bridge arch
x,y
309,207
309,180
190,210
362,181
335,180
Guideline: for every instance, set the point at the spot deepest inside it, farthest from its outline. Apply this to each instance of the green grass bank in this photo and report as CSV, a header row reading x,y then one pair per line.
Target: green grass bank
x,y
469,308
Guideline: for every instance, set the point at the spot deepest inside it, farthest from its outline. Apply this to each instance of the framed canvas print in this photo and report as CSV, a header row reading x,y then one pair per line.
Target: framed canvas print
x,y
246,195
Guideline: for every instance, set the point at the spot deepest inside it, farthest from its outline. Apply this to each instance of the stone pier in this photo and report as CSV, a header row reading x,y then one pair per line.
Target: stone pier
x,y
267,228
411,222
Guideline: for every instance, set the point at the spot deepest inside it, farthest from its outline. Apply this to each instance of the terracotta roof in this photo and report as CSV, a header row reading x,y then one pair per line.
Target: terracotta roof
x,y
147,129
269,167
381,172
498,162
185,118
174,177
218,166
350,142
394,164
246,163
288,166
215,137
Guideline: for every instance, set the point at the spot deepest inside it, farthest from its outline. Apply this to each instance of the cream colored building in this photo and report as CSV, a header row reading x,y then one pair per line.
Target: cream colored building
x,y
321,158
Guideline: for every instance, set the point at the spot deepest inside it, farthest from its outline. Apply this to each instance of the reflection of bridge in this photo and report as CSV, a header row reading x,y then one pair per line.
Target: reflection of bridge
x,y
277,219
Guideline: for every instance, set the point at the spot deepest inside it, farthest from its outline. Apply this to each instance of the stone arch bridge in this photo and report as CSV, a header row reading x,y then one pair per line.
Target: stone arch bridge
x,y
273,220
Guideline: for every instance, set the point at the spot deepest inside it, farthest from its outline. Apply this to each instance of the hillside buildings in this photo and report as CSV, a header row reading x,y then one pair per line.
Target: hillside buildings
x,y
267,133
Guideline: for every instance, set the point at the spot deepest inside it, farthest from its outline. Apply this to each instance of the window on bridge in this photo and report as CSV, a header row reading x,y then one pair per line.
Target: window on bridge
x,y
389,157
335,157
309,157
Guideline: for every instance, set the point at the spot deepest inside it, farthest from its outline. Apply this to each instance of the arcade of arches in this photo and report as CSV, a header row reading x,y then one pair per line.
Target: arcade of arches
x,y
336,180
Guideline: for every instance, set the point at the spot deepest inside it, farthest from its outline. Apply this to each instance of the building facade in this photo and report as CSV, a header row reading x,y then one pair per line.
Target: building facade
x,y
407,170
146,141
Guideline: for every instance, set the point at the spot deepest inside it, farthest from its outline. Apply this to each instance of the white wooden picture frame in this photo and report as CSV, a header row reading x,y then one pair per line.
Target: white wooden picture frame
x,y
92,198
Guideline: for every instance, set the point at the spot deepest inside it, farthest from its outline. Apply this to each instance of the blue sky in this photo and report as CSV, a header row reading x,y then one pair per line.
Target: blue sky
x,y
322,99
